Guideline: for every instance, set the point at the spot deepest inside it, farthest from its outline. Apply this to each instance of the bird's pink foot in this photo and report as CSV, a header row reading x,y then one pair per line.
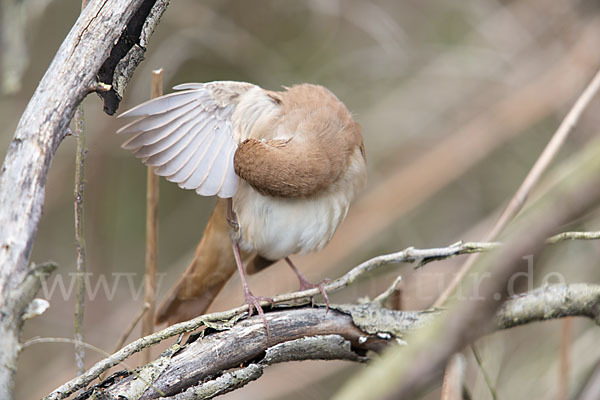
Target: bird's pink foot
x,y
254,304
304,285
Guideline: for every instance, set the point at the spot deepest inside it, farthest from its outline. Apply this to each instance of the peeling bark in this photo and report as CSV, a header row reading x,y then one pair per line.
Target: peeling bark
x,y
44,123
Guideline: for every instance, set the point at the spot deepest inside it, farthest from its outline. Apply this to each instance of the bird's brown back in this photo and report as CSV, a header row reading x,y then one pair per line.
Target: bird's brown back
x,y
323,137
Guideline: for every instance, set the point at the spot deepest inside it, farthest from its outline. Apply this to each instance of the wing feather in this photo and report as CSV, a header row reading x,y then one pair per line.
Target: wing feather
x,y
230,180
160,105
204,167
152,123
215,181
195,156
169,134
168,154
187,136
183,156
190,85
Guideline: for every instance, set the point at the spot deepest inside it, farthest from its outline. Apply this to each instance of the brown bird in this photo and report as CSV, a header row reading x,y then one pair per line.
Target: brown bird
x,y
286,166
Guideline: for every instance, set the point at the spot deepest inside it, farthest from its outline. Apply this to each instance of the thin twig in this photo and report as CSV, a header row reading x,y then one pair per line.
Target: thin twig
x,y
79,239
565,355
389,292
518,200
128,331
87,345
37,340
131,326
572,236
544,160
532,178
410,254
486,376
151,233
454,377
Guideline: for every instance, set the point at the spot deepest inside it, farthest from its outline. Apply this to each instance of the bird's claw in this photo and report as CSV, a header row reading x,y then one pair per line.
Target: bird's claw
x,y
304,285
254,304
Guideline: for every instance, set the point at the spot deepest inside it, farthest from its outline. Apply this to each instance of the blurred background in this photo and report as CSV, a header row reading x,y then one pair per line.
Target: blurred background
x,y
456,100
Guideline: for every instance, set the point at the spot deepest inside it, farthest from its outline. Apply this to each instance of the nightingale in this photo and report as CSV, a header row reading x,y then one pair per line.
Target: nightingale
x,y
284,164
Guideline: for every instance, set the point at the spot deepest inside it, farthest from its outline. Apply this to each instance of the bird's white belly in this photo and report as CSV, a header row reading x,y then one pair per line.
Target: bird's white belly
x,y
278,227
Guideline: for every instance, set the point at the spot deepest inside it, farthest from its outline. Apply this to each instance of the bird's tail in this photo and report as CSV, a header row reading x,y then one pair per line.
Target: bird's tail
x,y
211,268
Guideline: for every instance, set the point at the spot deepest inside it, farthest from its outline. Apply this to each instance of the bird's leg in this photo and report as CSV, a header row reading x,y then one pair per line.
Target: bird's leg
x,y
230,215
305,284
252,300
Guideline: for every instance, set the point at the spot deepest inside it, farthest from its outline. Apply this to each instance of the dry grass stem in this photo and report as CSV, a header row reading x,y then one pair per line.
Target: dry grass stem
x,y
79,239
152,195
518,200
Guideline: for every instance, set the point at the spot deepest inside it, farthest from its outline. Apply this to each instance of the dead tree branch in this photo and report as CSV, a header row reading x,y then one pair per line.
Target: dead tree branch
x,y
225,319
196,369
107,41
549,302
573,236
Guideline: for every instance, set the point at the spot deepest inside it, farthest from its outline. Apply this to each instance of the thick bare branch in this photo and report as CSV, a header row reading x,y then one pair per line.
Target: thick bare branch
x,y
328,347
345,332
553,301
72,74
215,320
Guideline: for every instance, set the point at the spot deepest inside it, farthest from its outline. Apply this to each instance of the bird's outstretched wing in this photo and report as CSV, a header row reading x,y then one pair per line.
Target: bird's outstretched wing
x,y
187,136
